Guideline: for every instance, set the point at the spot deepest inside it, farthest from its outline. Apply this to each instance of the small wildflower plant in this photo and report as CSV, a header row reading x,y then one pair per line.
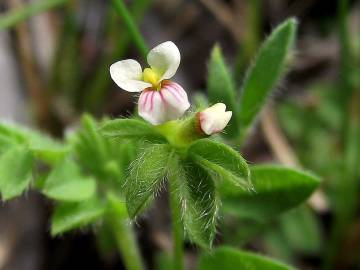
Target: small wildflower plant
x,y
107,173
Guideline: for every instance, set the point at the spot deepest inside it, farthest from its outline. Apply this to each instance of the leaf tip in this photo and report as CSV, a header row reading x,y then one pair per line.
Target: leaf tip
x,y
216,50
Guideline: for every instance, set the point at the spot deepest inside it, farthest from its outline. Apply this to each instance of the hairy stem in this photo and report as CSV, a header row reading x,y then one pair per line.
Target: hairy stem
x,y
177,228
125,239
126,243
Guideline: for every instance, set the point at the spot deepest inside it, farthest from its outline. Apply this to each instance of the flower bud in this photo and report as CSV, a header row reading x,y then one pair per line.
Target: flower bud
x,y
214,119
170,102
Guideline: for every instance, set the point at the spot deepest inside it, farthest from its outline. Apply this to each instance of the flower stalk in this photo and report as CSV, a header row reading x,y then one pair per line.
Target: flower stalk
x,y
126,244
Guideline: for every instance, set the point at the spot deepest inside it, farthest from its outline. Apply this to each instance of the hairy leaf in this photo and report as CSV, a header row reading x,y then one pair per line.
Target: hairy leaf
x,y
92,150
227,258
69,216
15,171
130,129
276,189
265,71
10,136
41,145
199,202
146,174
66,183
221,159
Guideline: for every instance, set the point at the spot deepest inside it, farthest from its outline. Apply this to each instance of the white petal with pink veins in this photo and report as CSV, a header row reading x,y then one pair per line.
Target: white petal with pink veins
x,y
214,119
170,103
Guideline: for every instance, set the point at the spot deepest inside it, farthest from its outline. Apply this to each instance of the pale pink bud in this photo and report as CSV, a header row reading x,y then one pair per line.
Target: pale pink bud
x,y
170,102
214,119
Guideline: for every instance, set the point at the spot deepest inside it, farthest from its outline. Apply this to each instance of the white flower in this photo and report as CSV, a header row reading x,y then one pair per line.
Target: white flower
x,y
161,99
214,119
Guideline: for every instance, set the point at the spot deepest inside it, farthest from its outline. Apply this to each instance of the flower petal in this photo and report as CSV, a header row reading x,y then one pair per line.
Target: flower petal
x,y
165,59
150,107
175,100
214,119
170,103
127,74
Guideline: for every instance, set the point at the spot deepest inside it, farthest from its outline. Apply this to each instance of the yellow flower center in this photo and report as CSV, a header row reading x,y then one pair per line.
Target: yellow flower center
x,y
151,76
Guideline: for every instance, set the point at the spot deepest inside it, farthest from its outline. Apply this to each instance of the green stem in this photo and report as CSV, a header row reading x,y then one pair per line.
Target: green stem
x,y
15,16
177,227
130,24
124,235
126,243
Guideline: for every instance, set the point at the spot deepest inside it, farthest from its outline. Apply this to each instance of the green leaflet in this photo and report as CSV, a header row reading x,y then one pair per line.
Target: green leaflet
x,y
130,129
92,150
276,189
66,183
299,222
221,159
41,145
295,232
277,244
146,175
202,206
227,258
10,136
16,166
69,216
221,87
265,71
197,198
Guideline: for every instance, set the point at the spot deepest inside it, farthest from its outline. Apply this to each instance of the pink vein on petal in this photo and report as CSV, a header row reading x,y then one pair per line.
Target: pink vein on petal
x,y
162,98
144,99
179,90
173,92
152,100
